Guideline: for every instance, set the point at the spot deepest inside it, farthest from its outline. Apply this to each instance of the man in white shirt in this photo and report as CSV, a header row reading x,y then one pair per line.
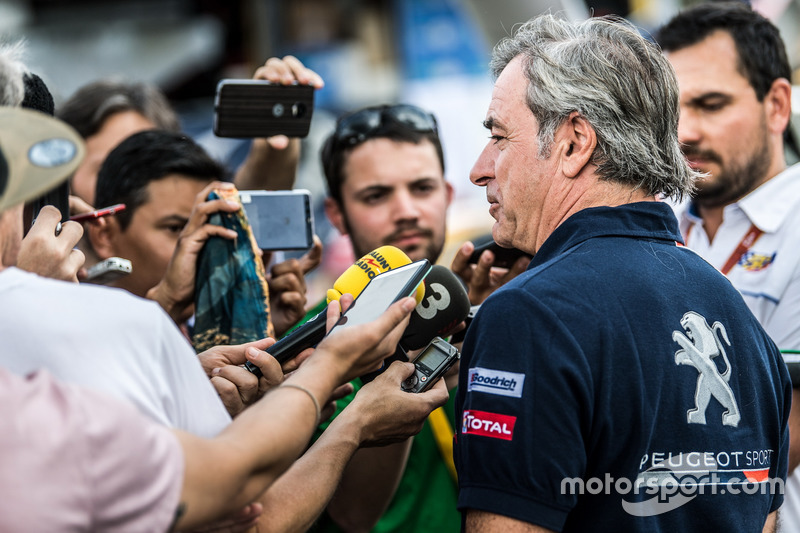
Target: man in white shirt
x,y
735,94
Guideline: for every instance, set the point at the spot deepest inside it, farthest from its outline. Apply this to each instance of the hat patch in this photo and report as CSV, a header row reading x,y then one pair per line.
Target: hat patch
x,y
52,153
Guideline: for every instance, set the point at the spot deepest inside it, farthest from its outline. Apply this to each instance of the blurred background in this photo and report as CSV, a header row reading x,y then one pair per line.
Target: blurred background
x,y
433,53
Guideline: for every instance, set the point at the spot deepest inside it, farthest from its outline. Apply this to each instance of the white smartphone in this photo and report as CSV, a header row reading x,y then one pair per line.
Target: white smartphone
x,y
108,270
281,220
382,291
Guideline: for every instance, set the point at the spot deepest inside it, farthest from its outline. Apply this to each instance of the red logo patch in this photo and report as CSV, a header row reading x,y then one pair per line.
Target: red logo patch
x,y
488,425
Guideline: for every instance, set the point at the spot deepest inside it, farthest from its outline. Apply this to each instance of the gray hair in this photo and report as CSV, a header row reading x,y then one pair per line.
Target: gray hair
x,y
619,82
12,74
92,104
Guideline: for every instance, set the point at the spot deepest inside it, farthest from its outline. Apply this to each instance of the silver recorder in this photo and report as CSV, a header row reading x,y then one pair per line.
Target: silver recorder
x,y
434,361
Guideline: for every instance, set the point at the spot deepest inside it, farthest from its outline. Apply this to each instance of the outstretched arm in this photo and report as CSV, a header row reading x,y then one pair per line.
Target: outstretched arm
x,y
264,440
381,413
272,162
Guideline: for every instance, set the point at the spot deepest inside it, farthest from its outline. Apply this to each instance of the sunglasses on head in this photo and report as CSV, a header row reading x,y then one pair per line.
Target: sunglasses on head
x,y
355,128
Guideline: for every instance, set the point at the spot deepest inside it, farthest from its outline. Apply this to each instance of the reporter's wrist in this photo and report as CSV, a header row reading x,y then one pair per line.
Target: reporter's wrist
x,y
350,422
325,367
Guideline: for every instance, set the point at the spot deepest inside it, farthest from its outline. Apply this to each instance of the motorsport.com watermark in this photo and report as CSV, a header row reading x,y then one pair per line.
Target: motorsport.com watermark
x,y
656,492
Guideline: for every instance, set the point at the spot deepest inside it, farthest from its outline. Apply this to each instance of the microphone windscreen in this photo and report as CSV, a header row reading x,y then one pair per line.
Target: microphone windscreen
x,y
444,306
355,278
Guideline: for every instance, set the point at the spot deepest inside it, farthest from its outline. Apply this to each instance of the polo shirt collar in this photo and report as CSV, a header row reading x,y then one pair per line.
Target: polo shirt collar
x,y
646,220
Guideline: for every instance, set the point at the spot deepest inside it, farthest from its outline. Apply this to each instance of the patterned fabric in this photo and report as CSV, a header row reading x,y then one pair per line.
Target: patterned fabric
x,y
231,294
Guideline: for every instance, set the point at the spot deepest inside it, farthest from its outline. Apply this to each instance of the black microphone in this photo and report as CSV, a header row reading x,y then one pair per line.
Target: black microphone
x,y
307,335
444,306
459,337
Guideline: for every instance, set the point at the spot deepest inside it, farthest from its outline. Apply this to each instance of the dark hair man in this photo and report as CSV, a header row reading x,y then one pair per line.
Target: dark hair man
x,y
104,113
735,94
158,176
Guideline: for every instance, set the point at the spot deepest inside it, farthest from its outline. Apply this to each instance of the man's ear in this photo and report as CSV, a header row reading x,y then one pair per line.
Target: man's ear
x,y
450,191
581,141
102,234
778,105
334,213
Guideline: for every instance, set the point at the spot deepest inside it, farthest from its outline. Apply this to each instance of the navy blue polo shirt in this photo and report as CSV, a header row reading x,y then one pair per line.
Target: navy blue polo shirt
x,y
621,384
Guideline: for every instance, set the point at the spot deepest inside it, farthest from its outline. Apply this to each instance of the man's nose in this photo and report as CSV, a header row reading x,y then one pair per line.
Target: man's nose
x,y
483,169
689,128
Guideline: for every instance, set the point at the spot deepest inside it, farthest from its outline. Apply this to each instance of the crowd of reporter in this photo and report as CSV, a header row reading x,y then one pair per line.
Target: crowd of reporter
x,y
145,406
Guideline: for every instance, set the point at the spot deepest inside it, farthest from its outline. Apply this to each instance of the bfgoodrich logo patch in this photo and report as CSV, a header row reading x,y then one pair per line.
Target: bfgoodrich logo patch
x,y
495,382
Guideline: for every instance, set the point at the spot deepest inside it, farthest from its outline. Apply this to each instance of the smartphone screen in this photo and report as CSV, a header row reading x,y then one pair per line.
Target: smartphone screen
x,y
382,291
281,220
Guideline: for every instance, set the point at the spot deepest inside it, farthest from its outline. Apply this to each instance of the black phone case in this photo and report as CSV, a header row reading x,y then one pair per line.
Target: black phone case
x,y
503,257
257,108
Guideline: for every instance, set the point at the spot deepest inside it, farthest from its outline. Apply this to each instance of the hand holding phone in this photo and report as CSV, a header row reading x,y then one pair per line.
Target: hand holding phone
x,y
382,291
503,257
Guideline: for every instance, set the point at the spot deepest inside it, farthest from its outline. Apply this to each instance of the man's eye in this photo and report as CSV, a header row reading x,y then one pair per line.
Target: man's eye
x,y
373,198
497,138
174,228
713,106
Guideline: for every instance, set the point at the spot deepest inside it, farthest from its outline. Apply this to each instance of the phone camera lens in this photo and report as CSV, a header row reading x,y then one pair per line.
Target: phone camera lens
x,y
278,110
298,109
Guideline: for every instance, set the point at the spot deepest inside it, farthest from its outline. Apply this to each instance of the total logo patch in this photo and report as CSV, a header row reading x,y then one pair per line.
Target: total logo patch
x,y
495,382
488,425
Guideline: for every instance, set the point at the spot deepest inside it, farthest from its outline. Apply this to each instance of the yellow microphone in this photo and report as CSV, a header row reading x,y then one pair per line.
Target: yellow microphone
x,y
354,279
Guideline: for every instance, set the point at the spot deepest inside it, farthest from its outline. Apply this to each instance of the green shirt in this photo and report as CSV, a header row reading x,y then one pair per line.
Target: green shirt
x,y
426,496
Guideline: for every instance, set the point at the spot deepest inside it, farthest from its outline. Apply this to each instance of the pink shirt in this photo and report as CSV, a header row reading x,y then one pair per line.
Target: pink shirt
x,y
72,459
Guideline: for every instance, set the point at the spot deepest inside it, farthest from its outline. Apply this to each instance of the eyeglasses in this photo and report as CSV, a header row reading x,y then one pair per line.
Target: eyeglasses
x,y
355,128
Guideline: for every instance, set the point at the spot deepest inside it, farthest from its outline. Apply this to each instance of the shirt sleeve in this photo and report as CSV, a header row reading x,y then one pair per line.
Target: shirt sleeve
x,y
187,394
79,460
135,467
524,398
782,324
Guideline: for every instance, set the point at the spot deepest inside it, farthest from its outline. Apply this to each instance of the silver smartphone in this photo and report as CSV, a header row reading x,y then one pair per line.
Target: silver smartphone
x,y
281,220
108,270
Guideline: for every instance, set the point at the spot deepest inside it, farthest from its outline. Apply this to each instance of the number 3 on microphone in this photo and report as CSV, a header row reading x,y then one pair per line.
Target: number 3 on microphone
x,y
436,299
